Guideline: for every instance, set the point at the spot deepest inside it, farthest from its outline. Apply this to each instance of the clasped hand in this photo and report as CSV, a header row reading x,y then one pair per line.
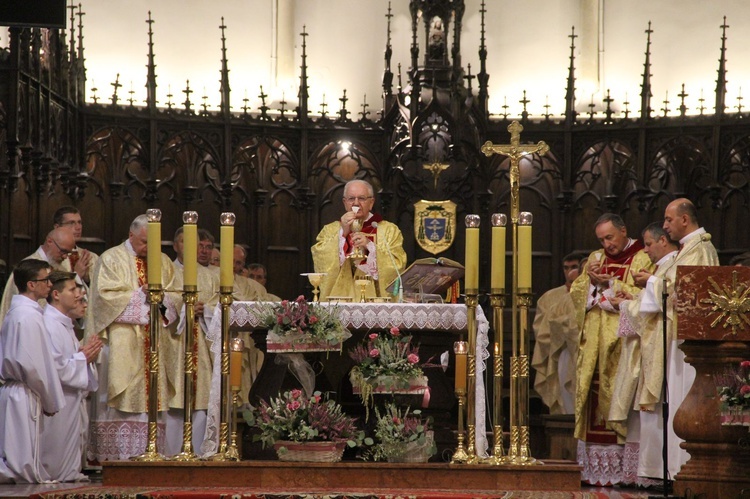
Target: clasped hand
x,y
594,275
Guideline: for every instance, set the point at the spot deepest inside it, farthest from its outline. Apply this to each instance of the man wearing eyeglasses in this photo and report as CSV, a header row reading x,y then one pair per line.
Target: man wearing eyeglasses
x,y
380,243
81,260
30,383
57,246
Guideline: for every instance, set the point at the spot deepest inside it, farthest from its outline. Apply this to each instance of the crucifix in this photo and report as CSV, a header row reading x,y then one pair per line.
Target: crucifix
x,y
519,450
515,151
436,168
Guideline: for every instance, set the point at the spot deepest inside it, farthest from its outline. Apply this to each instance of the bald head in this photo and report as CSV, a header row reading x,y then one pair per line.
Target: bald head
x,y
680,218
58,244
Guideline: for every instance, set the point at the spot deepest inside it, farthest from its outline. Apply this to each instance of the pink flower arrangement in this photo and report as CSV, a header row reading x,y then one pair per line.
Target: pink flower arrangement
x,y
299,321
387,354
733,386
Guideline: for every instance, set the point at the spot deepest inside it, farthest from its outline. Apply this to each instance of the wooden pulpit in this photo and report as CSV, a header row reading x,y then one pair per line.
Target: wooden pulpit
x,y
712,305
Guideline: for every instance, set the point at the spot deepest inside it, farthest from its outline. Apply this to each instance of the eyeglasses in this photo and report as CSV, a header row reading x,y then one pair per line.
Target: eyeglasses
x,y
72,222
41,280
63,251
361,199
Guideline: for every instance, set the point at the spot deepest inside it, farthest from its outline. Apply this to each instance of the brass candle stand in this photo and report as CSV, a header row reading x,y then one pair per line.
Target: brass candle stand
x,y
155,298
497,301
223,454
460,456
190,296
523,453
471,382
235,383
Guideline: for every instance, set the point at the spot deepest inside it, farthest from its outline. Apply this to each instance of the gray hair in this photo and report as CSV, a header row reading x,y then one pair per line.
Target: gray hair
x,y
140,222
616,220
370,190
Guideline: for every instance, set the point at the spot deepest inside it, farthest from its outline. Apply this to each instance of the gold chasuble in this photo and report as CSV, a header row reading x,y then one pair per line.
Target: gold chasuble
x,y
599,350
117,276
329,257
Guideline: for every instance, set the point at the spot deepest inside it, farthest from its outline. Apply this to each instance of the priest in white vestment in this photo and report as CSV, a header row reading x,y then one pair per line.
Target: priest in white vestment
x,y
556,343
64,436
82,261
30,385
119,313
696,248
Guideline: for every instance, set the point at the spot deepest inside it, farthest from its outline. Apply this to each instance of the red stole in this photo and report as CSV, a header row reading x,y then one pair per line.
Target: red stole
x,y
619,266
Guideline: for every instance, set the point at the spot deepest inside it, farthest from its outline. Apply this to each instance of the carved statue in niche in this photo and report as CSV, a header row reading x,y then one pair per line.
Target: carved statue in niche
x,y
436,39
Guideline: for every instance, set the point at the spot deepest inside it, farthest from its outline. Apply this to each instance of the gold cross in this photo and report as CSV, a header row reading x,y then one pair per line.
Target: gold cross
x,y
515,151
436,168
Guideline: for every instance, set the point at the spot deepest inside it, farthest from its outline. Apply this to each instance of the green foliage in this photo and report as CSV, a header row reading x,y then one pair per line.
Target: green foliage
x,y
396,432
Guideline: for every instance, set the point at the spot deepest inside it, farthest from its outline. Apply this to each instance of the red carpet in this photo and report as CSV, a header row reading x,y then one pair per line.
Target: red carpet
x,y
102,492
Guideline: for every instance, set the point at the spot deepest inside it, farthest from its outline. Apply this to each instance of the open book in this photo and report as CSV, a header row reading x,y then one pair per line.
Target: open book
x,y
429,276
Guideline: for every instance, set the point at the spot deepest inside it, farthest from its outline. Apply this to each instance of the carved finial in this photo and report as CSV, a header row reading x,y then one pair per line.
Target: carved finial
x,y
570,92
263,107
323,107
524,101
116,85
682,95
666,109
343,113
608,100
169,97
187,102
739,102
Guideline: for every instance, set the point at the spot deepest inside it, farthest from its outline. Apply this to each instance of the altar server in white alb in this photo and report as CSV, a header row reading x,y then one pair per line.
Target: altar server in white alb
x,y
30,384
64,435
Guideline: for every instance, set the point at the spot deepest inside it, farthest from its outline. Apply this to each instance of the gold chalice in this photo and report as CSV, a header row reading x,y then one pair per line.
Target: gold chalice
x,y
356,226
315,279
361,282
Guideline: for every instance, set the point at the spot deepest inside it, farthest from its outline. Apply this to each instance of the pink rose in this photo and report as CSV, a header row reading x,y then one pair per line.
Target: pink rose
x,y
373,336
745,389
284,303
745,364
296,393
293,406
412,358
396,420
374,353
395,331
313,319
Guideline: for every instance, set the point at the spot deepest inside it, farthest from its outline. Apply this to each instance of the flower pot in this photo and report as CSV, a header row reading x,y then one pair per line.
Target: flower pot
x,y
302,345
735,416
318,452
413,452
393,384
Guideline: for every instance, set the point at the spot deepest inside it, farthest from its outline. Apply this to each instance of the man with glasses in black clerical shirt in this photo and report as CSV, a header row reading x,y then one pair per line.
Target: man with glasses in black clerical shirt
x,y
30,382
380,243
57,247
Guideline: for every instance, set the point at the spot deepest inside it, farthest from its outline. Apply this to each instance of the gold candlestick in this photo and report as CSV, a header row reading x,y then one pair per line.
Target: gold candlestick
x,y
472,285
362,283
155,298
225,300
460,348
190,296
235,383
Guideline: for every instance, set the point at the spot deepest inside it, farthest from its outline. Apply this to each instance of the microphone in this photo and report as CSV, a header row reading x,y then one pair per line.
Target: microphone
x,y
398,288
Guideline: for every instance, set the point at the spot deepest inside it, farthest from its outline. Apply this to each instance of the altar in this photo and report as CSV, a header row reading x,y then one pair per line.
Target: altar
x,y
435,326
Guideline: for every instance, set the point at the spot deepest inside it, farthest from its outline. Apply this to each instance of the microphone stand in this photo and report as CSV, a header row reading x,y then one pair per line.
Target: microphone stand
x,y
666,482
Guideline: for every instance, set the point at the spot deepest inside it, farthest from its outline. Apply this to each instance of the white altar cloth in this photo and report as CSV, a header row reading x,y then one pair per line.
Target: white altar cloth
x,y
407,316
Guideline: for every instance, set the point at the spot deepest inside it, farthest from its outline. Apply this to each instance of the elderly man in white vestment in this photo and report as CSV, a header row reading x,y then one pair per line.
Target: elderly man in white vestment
x,y
119,313
174,353
681,223
556,343
55,250
30,384
64,435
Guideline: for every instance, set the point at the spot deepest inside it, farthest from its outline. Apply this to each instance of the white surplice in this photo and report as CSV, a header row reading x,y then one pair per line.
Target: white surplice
x,y
64,434
31,386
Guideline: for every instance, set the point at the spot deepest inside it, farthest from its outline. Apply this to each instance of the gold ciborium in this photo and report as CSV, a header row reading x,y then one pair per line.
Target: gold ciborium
x,y
315,279
361,282
356,226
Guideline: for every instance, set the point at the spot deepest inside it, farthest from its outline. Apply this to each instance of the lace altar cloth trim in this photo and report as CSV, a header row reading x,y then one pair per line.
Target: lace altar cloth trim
x,y
613,464
121,440
428,316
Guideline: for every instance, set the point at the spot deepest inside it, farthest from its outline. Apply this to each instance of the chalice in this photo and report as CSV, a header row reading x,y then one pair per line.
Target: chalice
x,y
315,278
361,282
356,226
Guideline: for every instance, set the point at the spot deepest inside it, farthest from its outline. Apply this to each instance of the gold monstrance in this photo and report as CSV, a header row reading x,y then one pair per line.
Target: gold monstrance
x,y
518,453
